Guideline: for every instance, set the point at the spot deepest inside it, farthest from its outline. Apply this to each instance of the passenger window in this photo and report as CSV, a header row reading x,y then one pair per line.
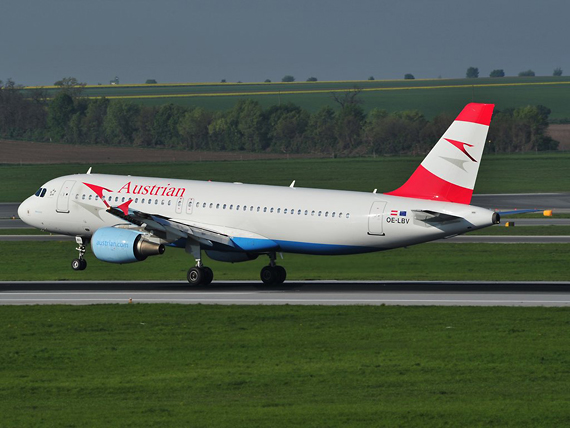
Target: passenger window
x,y
339,215
320,212
162,202
285,211
156,202
211,205
258,209
90,197
299,212
333,214
169,202
271,210
83,197
237,207
225,206
137,201
217,206
142,201
231,206
306,212
204,205
123,200
347,215
150,201
313,212
96,198
326,214
264,209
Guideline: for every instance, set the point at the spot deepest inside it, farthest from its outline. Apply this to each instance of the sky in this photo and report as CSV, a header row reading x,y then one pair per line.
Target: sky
x,y
42,41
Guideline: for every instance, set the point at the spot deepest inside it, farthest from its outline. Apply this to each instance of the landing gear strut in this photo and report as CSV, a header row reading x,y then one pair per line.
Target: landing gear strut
x,y
273,274
199,275
80,263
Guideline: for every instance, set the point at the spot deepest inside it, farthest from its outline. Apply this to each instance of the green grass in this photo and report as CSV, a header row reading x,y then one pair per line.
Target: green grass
x,y
523,230
546,172
436,261
228,366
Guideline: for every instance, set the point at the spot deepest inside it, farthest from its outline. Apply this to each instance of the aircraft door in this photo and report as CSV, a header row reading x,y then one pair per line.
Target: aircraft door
x,y
189,205
179,203
62,205
376,218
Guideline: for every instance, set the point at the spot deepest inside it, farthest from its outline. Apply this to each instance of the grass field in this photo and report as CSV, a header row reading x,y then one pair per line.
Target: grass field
x,y
228,366
498,173
35,261
429,96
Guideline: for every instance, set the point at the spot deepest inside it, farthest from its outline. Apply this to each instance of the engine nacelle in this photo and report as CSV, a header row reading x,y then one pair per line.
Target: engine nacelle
x,y
114,245
230,257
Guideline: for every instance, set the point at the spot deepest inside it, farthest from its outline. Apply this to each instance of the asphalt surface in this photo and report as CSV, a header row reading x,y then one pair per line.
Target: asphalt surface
x,y
408,293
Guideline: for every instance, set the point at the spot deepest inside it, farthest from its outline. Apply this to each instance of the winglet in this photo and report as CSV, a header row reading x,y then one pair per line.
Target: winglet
x,y
125,207
449,171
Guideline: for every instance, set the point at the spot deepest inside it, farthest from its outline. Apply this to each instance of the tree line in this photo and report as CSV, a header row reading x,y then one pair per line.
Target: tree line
x,y
287,128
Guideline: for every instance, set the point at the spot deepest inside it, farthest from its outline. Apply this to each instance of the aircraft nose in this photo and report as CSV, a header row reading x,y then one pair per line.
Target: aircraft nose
x,y
24,210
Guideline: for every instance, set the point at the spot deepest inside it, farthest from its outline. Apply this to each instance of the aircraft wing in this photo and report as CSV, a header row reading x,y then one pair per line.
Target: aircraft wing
x,y
207,235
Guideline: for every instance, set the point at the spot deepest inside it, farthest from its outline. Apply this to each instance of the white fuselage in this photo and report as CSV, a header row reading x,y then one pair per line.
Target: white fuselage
x,y
299,220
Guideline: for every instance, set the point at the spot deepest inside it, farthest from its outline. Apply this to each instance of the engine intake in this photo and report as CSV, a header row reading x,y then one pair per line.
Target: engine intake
x,y
115,245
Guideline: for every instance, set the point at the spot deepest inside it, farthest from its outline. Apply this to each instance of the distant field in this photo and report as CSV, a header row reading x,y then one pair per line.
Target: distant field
x,y
429,96
498,173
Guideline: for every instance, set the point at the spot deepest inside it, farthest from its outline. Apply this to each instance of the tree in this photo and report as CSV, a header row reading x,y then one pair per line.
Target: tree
x,y
527,73
557,72
321,131
288,78
409,76
267,81
193,129
71,86
348,127
150,82
223,81
472,73
347,98
312,79
120,122
371,78
497,73
60,111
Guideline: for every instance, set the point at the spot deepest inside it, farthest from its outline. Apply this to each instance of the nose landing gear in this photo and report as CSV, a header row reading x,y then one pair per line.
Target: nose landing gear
x,y
80,263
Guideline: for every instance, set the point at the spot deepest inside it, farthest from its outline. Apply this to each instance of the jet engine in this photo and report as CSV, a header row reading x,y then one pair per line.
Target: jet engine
x,y
230,257
115,245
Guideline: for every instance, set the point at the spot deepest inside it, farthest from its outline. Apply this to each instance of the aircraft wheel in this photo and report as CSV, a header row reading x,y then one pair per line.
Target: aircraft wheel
x,y
78,264
281,274
268,275
208,275
195,276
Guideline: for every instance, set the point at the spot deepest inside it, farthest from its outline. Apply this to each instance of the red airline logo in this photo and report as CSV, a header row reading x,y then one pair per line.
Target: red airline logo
x,y
461,146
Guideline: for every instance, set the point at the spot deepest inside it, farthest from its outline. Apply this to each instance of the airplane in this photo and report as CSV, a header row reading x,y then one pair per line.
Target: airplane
x,y
127,219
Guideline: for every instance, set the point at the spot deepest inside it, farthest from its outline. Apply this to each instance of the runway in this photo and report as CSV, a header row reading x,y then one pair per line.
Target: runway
x,y
407,293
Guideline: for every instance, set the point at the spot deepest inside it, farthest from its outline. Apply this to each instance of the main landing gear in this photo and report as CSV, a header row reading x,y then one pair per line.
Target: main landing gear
x,y
80,263
273,274
200,276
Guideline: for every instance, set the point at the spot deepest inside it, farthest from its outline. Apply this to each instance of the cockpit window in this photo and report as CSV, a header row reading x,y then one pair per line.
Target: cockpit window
x,y
38,192
43,193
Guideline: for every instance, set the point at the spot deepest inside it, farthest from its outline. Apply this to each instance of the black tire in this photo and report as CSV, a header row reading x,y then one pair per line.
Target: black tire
x,y
83,264
77,264
268,275
195,276
208,275
281,274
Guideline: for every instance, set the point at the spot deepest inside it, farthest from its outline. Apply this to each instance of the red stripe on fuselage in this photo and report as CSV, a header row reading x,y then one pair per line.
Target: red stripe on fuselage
x,y
425,185
477,113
